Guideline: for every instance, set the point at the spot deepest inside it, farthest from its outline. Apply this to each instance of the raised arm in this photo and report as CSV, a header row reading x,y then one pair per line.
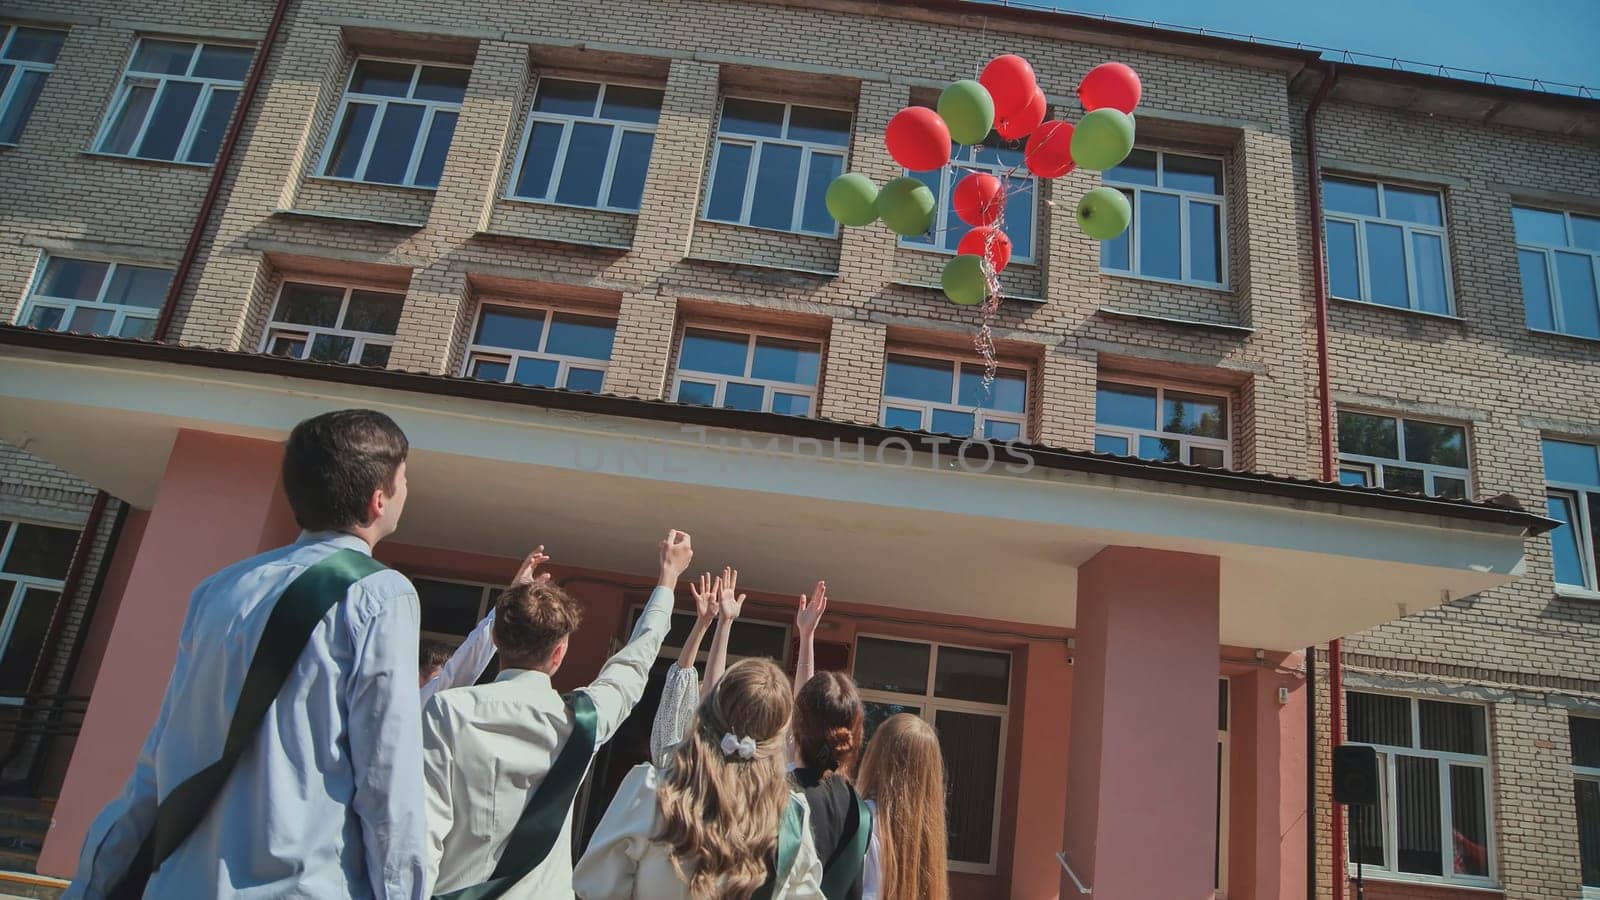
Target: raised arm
x,y
729,607
681,692
805,626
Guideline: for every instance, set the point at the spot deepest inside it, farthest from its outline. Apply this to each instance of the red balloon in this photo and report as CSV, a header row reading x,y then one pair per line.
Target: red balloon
x,y
1110,84
979,199
988,242
1010,81
1049,152
918,139
1020,123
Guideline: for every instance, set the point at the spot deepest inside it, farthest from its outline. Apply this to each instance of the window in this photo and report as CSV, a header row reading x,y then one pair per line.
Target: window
x,y
1586,794
451,609
947,396
1154,422
747,371
1180,226
330,323
1432,816
395,123
588,144
1403,454
748,639
773,165
1386,245
33,565
525,345
1219,861
963,693
1572,497
27,57
175,101
1559,254
994,157
92,297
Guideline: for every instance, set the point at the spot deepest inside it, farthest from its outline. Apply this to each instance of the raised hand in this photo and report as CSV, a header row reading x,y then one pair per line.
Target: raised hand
x,y
676,552
525,572
706,599
810,612
731,605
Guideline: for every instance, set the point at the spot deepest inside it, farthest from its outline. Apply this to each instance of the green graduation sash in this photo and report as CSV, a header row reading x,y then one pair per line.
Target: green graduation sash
x,y
295,615
540,825
843,870
790,828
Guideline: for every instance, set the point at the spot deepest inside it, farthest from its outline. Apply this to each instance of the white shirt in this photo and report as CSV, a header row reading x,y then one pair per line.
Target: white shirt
x,y
327,802
625,861
466,663
486,749
872,866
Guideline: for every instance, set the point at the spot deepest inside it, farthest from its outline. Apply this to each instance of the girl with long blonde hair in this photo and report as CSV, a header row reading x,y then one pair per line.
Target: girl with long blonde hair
x,y
902,777
719,819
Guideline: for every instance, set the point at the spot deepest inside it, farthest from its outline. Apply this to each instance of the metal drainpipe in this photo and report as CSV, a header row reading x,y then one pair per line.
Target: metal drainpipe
x,y
219,170
1325,409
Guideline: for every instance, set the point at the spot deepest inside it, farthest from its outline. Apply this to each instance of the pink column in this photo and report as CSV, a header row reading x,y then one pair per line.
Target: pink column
x,y
1047,685
1141,767
1267,803
218,502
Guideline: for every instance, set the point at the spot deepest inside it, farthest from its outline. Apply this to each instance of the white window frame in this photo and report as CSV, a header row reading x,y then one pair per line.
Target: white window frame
x,y
1548,251
930,706
1579,495
768,386
131,79
1185,200
757,143
19,66
1363,268
486,598
70,305
619,128
949,177
1373,465
276,329
14,608
1591,774
1389,871
1185,441
382,101
980,414
490,353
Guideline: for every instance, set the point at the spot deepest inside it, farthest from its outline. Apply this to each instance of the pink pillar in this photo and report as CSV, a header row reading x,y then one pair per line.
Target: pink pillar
x,y
1267,803
218,502
1141,767
1047,681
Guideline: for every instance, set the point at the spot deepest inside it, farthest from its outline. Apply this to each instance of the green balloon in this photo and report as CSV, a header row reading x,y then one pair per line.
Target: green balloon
x,y
906,206
968,109
1102,139
1104,212
965,280
850,199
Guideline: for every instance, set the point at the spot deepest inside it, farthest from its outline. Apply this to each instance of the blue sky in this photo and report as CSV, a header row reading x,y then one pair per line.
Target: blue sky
x,y
1552,39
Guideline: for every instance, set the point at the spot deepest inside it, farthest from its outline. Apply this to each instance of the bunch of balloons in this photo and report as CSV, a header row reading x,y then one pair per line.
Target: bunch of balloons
x,y
1006,99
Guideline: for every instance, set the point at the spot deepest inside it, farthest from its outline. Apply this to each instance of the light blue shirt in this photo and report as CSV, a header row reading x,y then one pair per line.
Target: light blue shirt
x,y
328,802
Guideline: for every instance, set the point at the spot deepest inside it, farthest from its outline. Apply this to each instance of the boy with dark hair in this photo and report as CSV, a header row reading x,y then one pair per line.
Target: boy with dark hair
x,y
502,761
286,759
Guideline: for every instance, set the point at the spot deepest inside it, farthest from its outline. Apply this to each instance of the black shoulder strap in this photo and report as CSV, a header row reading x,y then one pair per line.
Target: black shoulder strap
x,y
545,815
790,833
843,870
294,616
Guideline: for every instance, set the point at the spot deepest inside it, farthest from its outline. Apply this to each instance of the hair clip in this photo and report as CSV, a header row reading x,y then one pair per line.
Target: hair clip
x,y
743,747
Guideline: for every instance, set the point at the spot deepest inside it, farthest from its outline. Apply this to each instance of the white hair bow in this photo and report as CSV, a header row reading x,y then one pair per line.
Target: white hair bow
x,y
744,747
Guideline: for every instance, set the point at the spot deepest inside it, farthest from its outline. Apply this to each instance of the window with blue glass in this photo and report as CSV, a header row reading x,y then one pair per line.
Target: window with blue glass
x,y
334,323
1180,225
1411,455
1572,497
995,157
89,296
755,372
1559,254
1387,245
773,164
587,144
948,396
27,57
395,123
1151,421
175,100
542,347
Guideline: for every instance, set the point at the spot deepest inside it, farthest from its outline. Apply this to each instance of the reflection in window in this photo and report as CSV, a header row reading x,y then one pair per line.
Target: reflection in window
x,y
1559,255
92,297
540,347
1410,455
1572,490
1178,232
1155,422
773,163
395,123
947,396
175,100
1386,244
759,373
334,323
34,559
588,144
27,57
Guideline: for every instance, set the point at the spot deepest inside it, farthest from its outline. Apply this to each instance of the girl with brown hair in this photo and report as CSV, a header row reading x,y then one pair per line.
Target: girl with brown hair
x,y
902,777
719,820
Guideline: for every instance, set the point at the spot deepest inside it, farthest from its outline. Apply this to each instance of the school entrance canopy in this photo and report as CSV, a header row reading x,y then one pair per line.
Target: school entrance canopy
x,y
1153,566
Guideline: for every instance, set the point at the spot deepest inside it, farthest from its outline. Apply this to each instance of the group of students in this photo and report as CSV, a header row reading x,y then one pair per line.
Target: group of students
x,y
290,759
